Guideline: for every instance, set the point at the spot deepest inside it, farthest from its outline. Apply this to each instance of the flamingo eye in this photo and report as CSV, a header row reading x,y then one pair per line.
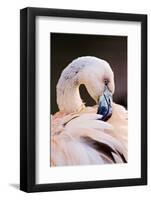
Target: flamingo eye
x,y
106,81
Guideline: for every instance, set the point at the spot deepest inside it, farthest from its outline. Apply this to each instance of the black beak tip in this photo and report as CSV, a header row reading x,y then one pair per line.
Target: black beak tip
x,y
104,112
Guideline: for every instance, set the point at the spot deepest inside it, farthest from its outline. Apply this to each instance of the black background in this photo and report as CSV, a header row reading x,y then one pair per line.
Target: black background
x,y
66,47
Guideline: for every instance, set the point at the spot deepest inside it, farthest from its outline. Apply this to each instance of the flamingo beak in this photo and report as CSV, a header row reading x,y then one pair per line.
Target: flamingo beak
x,y
105,104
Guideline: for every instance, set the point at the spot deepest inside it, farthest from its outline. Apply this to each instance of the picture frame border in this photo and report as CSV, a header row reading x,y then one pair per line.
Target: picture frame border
x,y
28,97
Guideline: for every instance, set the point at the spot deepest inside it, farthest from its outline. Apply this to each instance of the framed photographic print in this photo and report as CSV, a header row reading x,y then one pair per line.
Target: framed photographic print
x,y
83,99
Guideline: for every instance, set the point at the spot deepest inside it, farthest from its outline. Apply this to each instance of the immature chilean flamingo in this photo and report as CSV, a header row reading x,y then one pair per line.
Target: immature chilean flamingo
x,y
83,135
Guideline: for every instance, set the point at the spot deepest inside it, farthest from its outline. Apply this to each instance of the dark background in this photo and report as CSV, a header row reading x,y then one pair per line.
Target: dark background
x,y
113,49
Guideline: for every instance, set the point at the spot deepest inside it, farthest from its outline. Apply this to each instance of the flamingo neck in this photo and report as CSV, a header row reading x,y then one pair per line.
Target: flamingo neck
x,y
69,99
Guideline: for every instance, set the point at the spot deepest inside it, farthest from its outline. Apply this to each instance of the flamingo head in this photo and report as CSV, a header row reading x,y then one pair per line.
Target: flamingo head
x,y
97,75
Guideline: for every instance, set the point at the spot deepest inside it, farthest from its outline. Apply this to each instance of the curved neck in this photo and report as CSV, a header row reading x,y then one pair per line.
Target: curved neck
x,y
68,97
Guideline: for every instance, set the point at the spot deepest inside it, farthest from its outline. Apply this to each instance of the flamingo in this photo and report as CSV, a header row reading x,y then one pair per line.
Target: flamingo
x,y
85,135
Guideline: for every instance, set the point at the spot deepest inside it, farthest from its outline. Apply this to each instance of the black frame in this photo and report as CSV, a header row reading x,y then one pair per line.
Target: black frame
x,y
27,99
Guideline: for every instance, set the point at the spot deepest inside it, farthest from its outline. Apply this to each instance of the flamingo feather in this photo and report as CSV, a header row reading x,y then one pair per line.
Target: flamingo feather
x,y
83,135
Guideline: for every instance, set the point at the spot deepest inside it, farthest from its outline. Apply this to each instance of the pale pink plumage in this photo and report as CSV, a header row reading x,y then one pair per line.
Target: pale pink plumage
x,y
78,136
75,138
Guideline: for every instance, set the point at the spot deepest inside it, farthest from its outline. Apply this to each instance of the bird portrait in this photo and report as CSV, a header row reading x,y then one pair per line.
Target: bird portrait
x,y
88,135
